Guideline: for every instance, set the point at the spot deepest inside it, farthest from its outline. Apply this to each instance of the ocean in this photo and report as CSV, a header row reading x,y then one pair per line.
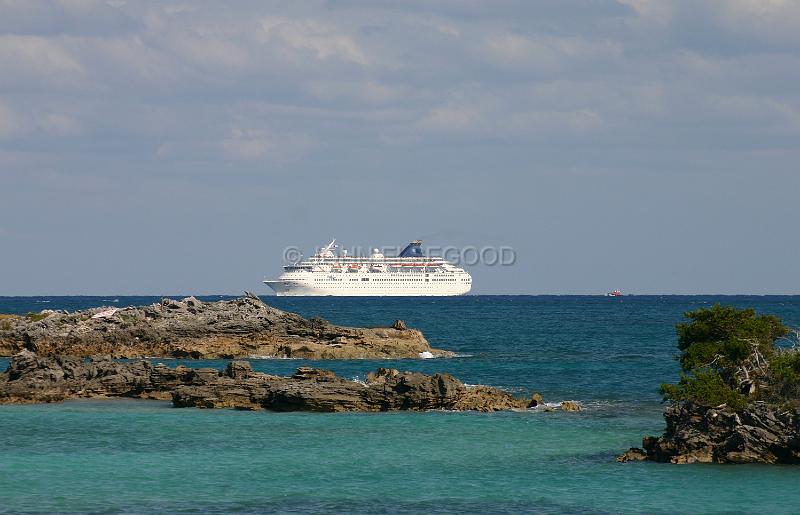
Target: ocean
x,y
611,354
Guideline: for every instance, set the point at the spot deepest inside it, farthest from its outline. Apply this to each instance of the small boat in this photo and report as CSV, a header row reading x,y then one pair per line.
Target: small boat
x,y
615,293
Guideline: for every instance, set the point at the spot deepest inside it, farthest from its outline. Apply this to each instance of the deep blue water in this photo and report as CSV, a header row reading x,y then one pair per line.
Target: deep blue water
x,y
609,353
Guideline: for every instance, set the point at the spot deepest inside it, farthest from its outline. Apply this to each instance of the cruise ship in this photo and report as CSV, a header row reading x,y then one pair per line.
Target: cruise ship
x,y
408,274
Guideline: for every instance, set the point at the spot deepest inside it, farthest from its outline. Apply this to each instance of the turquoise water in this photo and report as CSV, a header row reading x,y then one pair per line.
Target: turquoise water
x,y
611,354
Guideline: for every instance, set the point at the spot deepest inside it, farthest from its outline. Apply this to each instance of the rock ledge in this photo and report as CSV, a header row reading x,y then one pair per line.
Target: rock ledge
x,y
189,328
31,379
702,434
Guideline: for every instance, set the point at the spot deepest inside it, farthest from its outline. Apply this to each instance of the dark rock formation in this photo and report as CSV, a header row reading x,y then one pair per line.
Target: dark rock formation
x,y
321,390
32,378
701,434
190,328
399,325
536,400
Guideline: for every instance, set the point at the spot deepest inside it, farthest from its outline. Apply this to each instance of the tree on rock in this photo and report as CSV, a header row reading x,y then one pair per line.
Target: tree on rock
x,y
726,356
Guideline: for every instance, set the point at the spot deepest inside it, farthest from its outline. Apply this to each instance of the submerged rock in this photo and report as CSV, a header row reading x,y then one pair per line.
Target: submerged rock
x,y
190,328
702,434
632,454
570,406
536,400
33,378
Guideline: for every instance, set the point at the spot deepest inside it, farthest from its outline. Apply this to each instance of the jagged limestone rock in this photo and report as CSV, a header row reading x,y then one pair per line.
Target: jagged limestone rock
x,y
31,378
702,434
189,328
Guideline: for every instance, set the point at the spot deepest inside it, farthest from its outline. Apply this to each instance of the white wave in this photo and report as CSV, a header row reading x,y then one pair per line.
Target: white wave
x,y
556,405
468,385
601,404
265,356
426,355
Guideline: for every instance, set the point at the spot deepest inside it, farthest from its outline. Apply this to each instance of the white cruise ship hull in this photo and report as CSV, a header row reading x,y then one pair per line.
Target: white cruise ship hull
x,y
411,274
297,289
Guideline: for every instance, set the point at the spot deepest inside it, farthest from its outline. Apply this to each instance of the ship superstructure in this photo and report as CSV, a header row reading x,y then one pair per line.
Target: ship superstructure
x,y
411,273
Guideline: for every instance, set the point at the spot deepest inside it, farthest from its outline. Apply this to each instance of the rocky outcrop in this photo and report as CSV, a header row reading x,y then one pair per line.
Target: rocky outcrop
x,y
570,406
32,378
702,434
320,390
190,328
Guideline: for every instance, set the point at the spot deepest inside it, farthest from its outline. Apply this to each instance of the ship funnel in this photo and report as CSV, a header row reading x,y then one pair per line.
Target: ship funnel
x,y
413,249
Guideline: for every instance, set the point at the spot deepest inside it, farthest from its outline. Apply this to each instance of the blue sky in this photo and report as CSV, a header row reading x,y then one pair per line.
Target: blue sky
x,y
166,148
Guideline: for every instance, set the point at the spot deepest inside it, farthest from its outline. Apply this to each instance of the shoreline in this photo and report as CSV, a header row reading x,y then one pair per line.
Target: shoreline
x,y
190,328
32,379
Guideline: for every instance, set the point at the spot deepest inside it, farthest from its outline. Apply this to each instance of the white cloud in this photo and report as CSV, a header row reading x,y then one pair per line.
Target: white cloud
x,y
248,144
536,123
511,48
654,12
10,123
775,21
757,110
261,144
371,92
211,51
36,58
514,114
60,125
322,40
130,58
442,27
548,53
367,75
771,21
18,123
451,118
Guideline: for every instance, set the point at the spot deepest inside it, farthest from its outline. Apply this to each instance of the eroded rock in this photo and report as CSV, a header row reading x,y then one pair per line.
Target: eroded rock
x,y
536,400
570,406
702,434
33,378
189,328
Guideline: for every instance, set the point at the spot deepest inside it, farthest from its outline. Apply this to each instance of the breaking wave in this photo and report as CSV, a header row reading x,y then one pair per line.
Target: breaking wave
x,y
266,357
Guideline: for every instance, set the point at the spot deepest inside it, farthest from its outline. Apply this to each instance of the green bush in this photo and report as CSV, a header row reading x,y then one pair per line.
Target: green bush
x,y
725,351
7,321
727,331
783,388
705,387
35,317
785,366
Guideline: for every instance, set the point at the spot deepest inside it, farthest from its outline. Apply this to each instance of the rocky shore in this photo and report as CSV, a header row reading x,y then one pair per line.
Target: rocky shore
x,y
190,328
702,434
34,379
737,398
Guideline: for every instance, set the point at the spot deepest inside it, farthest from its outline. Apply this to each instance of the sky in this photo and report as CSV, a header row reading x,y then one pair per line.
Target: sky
x,y
179,147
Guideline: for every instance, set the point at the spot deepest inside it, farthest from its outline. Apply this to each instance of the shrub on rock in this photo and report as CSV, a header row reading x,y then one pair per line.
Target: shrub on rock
x,y
729,356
